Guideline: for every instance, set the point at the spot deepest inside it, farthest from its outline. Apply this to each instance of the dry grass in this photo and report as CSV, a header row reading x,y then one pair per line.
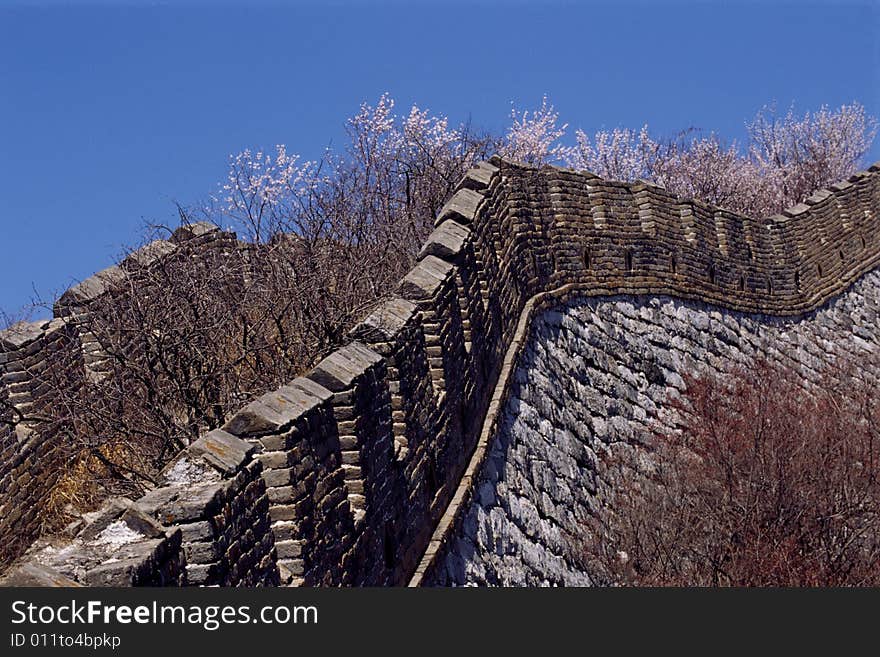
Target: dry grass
x,y
82,486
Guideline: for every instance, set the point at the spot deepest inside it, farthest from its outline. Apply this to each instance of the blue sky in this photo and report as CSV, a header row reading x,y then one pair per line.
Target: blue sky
x,y
111,112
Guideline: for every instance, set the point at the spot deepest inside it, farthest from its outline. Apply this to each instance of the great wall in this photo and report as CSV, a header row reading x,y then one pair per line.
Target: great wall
x,y
455,438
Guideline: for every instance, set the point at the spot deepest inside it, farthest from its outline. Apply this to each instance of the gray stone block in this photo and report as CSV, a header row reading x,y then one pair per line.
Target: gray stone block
x,y
97,521
257,419
423,280
462,207
293,401
92,288
149,254
191,231
222,450
312,387
385,323
796,210
185,503
35,574
338,371
478,178
446,241
22,334
145,525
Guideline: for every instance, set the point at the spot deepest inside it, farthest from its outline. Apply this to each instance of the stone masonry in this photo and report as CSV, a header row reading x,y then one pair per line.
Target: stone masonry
x,y
372,469
594,379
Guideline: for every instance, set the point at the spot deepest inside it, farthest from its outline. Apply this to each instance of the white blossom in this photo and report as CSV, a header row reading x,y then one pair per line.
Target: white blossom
x,y
621,154
533,137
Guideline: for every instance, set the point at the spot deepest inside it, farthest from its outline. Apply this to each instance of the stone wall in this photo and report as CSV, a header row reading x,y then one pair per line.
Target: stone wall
x,y
435,349
38,359
594,379
119,545
369,459
207,523
35,359
215,494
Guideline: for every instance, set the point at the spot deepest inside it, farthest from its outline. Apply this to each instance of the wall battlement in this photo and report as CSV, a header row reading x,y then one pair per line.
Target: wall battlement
x,y
361,457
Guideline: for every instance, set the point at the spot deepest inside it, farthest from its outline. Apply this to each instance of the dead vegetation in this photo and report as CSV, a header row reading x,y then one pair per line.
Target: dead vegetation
x,y
765,486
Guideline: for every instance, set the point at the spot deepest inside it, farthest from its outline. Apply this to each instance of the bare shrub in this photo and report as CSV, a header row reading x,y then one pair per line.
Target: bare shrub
x,y
766,485
186,339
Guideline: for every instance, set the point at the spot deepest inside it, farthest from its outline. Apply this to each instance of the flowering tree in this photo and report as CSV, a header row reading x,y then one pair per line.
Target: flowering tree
x,y
263,192
352,221
620,154
390,180
200,333
706,169
533,136
396,171
802,155
785,160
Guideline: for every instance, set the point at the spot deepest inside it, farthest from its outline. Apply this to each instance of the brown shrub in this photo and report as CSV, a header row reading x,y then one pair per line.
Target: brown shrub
x,y
767,485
